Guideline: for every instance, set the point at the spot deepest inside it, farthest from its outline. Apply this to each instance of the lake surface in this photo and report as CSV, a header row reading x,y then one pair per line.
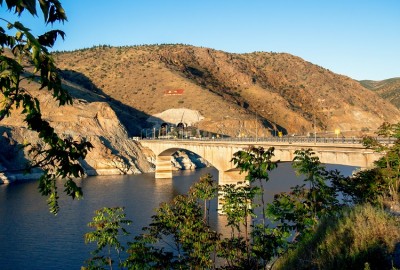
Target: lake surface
x,y
33,238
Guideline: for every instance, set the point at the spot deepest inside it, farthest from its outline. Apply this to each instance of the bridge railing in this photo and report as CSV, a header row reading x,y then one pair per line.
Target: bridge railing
x,y
285,139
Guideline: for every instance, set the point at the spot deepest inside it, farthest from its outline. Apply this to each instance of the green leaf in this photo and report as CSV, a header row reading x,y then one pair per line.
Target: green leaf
x,y
30,5
49,38
44,6
57,157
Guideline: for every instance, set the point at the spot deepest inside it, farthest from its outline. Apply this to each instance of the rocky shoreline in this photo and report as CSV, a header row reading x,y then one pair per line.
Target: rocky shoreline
x,y
113,153
181,160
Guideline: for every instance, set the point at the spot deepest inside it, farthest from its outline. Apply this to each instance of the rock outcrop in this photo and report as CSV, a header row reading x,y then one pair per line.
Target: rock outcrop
x,y
184,160
113,153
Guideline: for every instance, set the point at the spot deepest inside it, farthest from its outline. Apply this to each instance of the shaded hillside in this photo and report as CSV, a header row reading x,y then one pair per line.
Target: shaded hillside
x,y
113,151
388,89
230,90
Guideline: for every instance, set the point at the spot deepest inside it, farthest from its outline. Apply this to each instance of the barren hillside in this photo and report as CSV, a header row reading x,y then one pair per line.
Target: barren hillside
x,y
228,90
388,89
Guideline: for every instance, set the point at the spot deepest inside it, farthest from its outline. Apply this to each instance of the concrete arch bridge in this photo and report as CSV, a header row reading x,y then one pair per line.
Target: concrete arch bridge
x,y
220,152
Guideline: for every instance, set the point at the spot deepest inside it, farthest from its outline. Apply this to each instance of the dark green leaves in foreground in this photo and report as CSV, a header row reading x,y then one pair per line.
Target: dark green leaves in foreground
x,y
26,57
51,9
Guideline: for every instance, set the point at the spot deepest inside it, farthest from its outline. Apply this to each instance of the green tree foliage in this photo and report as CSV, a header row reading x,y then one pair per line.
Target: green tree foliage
x,y
237,205
381,183
188,242
252,244
299,210
256,163
108,224
260,243
205,189
387,168
26,57
179,236
365,186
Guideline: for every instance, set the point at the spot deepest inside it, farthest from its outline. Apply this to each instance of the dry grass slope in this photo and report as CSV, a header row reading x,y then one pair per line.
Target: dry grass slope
x,y
388,89
363,235
227,89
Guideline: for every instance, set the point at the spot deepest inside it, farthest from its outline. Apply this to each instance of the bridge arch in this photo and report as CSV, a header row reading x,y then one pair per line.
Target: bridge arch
x,y
164,168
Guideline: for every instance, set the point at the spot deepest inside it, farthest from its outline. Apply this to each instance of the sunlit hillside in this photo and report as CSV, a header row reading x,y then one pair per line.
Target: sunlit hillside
x,y
388,89
230,91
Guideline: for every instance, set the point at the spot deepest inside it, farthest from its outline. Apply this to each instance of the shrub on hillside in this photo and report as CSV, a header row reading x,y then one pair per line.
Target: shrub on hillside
x,y
363,237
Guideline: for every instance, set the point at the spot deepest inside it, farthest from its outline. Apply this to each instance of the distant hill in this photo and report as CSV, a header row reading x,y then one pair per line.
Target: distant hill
x,y
231,91
388,89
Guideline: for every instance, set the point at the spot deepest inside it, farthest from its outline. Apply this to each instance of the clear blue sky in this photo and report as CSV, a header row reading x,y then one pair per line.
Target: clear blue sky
x,y
357,38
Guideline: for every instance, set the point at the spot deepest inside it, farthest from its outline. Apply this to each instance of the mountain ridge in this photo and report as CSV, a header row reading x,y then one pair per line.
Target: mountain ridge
x,y
120,92
388,89
281,90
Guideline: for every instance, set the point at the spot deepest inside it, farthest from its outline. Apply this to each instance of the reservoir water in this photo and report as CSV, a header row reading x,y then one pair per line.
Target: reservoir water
x,y
33,238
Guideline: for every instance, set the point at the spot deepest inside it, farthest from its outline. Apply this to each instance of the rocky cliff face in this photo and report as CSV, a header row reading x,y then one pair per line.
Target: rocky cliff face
x,y
113,153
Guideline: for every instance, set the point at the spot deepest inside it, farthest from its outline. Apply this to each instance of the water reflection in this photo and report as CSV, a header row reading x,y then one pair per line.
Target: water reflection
x,y
32,238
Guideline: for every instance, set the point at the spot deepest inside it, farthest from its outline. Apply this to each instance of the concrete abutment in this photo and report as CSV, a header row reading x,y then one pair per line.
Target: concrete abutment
x,y
163,167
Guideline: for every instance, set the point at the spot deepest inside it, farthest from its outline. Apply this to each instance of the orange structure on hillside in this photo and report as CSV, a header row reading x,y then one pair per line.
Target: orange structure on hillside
x,y
173,92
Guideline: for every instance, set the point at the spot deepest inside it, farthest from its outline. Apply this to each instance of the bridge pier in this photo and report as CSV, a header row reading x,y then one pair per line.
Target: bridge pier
x,y
163,167
230,177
